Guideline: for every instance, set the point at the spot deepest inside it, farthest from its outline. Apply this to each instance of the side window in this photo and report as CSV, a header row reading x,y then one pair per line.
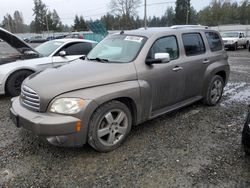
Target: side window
x,y
78,48
214,41
193,44
165,45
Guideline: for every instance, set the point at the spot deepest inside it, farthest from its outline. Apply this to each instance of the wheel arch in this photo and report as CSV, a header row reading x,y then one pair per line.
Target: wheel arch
x,y
130,103
13,72
223,75
221,69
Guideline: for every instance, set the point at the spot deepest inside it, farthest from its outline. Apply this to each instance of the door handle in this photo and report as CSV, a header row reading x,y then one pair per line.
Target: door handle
x,y
177,68
206,61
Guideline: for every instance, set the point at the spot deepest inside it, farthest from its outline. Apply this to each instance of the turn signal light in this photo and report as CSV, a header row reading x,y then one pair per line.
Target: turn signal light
x,y
78,126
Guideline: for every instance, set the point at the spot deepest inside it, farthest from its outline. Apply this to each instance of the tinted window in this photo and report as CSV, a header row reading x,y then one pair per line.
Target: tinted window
x,y
78,48
165,45
214,41
193,44
49,47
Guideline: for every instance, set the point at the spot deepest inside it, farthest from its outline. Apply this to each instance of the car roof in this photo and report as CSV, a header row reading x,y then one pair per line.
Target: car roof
x,y
66,40
149,32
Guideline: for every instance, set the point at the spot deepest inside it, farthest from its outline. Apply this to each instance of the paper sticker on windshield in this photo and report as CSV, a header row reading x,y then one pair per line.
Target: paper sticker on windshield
x,y
134,39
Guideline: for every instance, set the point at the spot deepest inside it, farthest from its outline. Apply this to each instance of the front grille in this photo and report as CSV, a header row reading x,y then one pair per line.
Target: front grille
x,y
30,99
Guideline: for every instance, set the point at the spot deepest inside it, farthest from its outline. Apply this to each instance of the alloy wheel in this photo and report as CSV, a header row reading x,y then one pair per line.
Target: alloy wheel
x,y
112,127
216,91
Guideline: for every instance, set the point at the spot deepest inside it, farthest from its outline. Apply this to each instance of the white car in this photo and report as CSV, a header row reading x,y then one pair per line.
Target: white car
x,y
234,39
16,67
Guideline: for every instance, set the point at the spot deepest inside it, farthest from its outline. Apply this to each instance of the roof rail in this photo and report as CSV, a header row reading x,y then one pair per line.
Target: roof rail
x,y
189,26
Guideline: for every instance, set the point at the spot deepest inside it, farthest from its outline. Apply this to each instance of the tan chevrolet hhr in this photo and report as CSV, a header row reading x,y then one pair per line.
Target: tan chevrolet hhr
x,y
128,78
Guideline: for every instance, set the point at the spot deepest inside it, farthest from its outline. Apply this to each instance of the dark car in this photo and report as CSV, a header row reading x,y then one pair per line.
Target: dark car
x,y
246,134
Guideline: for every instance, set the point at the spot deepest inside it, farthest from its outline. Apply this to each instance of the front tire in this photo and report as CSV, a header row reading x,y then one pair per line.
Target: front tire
x,y
245,137
14,82
214,91
246,46
235,47
109,126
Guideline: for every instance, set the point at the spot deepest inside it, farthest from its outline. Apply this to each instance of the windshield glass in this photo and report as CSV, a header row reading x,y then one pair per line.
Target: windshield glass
x,y
230,35
117,48
47,48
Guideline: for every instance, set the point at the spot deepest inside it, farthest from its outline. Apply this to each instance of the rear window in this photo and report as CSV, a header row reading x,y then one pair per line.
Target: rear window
x,y
214,41
193,44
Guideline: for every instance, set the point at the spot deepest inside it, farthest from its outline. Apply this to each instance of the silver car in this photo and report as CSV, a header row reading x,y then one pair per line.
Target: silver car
x,y
27,60
126,79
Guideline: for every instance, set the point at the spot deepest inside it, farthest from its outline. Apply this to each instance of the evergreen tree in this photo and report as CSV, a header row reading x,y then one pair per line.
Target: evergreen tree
x,y
76,23
41,19
169,17
18,22
182,12
8,23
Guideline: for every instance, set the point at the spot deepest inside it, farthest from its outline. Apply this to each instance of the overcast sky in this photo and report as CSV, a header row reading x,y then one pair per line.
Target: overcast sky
x,y
67,9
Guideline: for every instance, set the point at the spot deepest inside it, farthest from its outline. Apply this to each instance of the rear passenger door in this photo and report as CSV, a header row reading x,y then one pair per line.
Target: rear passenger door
x,y
196,60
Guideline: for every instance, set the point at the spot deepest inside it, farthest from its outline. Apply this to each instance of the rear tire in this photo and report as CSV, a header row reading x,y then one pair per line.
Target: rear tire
x,y
14,82
214,91
109,126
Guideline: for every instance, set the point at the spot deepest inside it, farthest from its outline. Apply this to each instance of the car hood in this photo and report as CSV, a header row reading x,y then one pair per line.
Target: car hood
x,y
77,75
15,42
229,38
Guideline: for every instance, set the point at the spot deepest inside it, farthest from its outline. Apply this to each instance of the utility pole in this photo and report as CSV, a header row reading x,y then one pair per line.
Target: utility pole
x,y
47,25
187,16
145,14
46,19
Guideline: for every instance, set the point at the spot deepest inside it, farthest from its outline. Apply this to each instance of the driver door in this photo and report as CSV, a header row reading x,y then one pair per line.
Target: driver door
x,y
166,80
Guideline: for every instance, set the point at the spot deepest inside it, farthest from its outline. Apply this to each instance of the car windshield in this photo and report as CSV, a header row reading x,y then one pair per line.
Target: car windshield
x,y
230,35
47,48
117,49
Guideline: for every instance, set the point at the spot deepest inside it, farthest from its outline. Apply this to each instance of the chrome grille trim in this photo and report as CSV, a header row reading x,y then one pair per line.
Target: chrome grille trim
x,y
30,99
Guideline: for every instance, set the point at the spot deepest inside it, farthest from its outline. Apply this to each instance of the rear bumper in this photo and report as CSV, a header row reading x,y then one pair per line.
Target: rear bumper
x,y
57,129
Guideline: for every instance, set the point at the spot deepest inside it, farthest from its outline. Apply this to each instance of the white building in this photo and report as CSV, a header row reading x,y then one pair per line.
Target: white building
x,y
242,28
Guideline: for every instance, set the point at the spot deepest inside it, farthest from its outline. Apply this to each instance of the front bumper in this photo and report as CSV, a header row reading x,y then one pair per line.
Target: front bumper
x,y
230,45
2,89
58,129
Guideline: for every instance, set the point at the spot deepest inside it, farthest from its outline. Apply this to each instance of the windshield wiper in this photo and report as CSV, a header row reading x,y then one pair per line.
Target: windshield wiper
x,y
99,59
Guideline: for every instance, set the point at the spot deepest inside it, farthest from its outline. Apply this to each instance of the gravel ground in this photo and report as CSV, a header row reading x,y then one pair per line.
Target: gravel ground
x,y
197,146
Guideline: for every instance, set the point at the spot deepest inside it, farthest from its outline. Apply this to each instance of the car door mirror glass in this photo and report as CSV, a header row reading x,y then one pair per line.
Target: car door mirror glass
x,y
164,57
62,53
159,58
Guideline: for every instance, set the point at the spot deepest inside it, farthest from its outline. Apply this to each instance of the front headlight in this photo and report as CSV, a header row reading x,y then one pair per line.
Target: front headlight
x,y
67,105
232,41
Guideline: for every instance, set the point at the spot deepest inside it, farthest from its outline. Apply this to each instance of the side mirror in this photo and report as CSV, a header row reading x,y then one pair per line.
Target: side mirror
x,y
62,53
159,58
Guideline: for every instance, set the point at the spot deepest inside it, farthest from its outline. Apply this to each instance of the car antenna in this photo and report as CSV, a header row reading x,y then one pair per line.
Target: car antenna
x,y
122,32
